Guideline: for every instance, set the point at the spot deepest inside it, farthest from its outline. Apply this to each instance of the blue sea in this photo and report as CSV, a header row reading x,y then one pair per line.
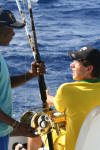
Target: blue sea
x,y
61,26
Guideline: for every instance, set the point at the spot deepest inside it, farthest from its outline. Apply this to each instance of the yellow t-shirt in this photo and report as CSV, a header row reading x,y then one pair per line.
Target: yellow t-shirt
x,y
78,99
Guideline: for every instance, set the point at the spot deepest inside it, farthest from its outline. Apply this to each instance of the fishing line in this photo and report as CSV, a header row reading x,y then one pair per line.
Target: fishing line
x,y
25,66
25,93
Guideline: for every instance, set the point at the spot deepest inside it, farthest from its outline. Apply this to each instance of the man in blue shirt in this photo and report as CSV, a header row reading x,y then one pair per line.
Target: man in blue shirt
x,y
7,123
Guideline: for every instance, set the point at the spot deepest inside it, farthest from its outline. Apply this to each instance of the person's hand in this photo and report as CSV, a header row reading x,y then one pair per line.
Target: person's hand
x,y
24,130
37,68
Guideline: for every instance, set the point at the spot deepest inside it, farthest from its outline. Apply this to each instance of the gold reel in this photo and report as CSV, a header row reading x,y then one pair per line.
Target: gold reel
x,y
42,121
38,120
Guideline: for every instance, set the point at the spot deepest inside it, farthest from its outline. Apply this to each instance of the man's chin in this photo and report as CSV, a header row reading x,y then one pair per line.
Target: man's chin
x,y
75,78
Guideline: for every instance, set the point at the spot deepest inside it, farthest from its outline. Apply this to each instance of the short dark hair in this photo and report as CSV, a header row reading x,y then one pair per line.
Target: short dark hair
x,y
96,69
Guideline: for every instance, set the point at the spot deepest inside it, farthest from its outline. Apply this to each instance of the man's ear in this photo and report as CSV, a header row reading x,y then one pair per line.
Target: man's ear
x,y
90,68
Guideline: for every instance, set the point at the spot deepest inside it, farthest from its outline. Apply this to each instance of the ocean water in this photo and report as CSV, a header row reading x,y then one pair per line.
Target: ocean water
x,y
61,26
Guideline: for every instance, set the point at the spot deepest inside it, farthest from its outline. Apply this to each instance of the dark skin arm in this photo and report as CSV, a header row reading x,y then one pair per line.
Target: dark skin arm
x,y
21,79
19,128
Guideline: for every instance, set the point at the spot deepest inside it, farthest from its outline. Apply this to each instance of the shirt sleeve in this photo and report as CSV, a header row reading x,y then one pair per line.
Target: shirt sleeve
x,y
59,99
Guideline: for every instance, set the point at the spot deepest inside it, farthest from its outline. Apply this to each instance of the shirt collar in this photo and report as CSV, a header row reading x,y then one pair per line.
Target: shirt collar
x,y
91,80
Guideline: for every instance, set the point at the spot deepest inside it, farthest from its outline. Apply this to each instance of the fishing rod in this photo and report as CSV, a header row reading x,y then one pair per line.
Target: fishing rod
x,y
37,58
35,51
41,81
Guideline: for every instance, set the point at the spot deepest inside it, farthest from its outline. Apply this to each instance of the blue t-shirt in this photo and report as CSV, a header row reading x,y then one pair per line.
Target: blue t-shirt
x,y
5,96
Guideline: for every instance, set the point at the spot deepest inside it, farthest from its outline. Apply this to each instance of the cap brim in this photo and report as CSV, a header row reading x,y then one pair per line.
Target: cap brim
x,y
76,55
17,25
72,55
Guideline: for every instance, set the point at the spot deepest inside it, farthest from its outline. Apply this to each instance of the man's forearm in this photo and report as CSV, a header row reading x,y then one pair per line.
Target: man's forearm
x,y
20,79
6,119
19,129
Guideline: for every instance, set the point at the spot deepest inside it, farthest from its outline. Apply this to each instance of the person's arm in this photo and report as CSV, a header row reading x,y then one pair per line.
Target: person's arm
x,y
59,101
6,119
21,79
50,98
20,129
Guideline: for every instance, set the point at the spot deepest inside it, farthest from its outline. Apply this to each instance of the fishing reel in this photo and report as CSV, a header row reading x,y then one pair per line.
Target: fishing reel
x,y
38,120
42,122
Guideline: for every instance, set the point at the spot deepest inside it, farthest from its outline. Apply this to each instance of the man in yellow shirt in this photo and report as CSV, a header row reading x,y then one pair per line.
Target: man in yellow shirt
x,y
80,97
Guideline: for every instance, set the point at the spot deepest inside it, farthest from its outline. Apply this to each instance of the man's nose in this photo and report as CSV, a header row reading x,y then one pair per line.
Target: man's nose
x,y
72,65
